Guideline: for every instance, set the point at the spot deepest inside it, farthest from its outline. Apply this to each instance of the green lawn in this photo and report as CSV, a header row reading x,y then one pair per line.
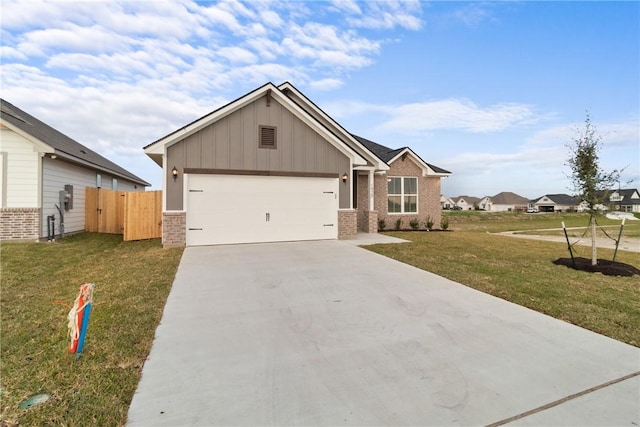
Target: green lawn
x,y
522,271
39,284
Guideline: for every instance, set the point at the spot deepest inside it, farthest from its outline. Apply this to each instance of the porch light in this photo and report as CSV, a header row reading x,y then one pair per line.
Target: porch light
x,y
344,178
174,173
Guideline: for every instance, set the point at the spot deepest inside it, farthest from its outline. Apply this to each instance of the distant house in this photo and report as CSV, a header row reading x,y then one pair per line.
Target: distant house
x,y
625,200
446,202
504,202
555,203
466,203
40,168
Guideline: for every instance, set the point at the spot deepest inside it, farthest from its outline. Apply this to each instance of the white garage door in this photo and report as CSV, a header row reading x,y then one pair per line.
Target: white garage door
x,y
224,209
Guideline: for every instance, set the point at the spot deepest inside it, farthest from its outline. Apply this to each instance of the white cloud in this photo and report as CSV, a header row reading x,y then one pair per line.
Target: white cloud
x,y
119,74
8,53
472,14
458,114
237,55
271,19
445,114
387,15
347,6
72,37
326,84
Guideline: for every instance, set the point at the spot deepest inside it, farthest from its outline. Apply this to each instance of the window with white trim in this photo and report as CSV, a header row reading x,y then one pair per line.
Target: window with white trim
x,y
402,194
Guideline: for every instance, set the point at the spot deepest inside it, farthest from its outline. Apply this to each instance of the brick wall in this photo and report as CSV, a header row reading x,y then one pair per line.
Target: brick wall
x,y
174,231
347,224
371,222
363,201
428,195
19,223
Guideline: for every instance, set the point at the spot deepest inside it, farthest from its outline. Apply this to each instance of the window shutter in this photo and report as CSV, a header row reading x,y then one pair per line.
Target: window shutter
x,y
268,137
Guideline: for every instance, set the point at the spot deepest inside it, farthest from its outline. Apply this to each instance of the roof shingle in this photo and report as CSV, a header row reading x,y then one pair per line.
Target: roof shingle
x,y
63,145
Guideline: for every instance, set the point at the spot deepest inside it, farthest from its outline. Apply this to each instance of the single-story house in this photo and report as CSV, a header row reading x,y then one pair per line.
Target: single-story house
x,y
40,168
504,202
466,203
555,203
272,166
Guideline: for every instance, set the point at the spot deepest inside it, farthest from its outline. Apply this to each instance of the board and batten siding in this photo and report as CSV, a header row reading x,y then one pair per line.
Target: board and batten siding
x,y
232,143
20,170
57,173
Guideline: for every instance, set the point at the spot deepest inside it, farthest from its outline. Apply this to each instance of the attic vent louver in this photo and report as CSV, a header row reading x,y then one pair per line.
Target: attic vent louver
x,y
267,137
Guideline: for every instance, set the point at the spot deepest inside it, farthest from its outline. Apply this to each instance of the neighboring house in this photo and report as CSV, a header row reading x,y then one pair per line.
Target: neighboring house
x,y
625,200
466,203
446,202
272,166
41,168
485,203
504,202
555,203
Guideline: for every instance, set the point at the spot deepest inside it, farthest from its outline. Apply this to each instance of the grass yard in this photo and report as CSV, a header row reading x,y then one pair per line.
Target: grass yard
x,y
507,221
521,271
39,284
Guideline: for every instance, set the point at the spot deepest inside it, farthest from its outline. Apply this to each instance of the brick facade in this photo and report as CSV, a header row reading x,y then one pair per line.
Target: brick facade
x,y
362,189
428,195
371,222
20,224
347,224
174,229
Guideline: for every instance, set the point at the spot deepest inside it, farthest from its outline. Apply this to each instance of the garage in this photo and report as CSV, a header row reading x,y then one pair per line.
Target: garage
x,y
227,209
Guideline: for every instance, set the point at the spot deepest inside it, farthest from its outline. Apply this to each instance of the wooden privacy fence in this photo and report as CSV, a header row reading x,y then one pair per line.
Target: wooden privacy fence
x,y
135,214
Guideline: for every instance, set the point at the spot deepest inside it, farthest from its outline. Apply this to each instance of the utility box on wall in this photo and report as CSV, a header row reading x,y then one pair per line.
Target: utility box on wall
x,y
66,197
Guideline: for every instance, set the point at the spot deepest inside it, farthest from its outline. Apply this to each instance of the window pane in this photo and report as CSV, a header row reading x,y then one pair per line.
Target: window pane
x,y
393,204
394,186
411,186
410,204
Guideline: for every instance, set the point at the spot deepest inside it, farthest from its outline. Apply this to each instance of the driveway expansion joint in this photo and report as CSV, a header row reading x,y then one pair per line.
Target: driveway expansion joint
x,y
563,400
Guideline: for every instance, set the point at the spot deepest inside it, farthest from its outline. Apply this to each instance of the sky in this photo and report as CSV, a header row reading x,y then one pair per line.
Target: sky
x,y
492,91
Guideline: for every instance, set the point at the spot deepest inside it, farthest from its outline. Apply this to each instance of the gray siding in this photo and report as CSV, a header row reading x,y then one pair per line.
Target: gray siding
x,y
232,143
58,173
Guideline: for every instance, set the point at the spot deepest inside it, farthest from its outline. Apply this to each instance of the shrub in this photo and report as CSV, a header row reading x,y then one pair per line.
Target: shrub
x,y
414,223
381,225
428,224
444,223
398,223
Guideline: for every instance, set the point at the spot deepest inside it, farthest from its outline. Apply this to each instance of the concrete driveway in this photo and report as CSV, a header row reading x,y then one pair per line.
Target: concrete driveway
x,y
327,333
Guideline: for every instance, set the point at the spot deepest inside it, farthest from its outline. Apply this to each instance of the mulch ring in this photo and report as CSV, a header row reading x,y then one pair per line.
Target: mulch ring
x,y
608,268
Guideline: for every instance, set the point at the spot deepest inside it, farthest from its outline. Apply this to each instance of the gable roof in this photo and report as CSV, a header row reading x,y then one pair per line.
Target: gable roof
x,y
58,143
629,196
311,108
559,199
509,198
155,150
389,155
470,200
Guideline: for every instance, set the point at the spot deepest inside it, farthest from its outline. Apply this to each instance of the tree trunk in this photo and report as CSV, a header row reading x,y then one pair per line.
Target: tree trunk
x,y
594,251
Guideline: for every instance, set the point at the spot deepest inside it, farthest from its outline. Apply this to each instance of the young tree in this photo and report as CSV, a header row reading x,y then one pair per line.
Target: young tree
x,y
590,183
